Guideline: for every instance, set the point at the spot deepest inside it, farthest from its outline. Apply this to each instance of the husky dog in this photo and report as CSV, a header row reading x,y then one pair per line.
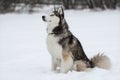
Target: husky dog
x,y
66,50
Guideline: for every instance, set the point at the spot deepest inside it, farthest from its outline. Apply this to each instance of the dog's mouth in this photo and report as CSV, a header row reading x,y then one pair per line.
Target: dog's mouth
x,y
43,17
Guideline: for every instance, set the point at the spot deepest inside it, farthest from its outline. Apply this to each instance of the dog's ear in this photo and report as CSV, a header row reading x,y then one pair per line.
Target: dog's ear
x,y
61,11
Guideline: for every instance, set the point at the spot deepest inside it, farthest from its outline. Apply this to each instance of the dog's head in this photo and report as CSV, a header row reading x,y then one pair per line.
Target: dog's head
x,y
55,16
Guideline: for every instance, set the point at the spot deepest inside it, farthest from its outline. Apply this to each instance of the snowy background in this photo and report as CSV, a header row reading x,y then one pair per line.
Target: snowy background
x,y
23,51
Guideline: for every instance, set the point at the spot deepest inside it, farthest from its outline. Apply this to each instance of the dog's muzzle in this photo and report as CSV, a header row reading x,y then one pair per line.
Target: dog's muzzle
x,y
43,17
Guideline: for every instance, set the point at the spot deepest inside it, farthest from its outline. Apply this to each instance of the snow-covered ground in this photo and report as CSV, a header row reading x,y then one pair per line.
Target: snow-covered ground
x,y
23,52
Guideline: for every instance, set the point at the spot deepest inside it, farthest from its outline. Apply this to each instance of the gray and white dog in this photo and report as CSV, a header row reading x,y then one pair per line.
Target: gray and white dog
x,y
65,49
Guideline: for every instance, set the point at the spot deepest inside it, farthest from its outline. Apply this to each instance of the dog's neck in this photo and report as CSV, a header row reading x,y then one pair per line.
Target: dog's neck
x,y
51,26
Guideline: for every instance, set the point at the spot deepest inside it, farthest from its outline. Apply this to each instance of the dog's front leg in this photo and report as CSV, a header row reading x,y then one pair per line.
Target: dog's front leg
x,y
66,62
54,64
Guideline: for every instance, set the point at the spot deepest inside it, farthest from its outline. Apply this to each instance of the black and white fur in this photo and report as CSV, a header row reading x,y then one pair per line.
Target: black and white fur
x,y
65,49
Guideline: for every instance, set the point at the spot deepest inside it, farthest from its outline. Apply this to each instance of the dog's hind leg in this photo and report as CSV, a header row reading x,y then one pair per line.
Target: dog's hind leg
x,y
66,62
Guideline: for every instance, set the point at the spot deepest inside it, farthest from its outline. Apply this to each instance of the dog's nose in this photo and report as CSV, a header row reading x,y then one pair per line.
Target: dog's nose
x,y
43,17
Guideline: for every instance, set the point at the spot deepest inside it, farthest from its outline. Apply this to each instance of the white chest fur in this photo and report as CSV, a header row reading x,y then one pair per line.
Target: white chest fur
x,y
53,46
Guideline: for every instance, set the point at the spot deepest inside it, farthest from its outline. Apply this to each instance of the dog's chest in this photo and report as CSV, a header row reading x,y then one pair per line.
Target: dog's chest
x,y
54,47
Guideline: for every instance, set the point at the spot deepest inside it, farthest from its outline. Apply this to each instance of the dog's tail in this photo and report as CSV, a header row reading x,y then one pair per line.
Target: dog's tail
x,y
101,61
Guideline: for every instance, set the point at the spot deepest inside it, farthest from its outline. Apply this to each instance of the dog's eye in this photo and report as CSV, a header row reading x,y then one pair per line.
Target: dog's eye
x,y
52,15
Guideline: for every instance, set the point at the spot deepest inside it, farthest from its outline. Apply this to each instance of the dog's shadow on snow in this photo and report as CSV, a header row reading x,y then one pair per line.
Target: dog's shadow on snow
x,y
43,70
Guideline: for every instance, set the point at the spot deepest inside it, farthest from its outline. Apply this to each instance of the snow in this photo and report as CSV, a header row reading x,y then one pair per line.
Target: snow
x,y
24,55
